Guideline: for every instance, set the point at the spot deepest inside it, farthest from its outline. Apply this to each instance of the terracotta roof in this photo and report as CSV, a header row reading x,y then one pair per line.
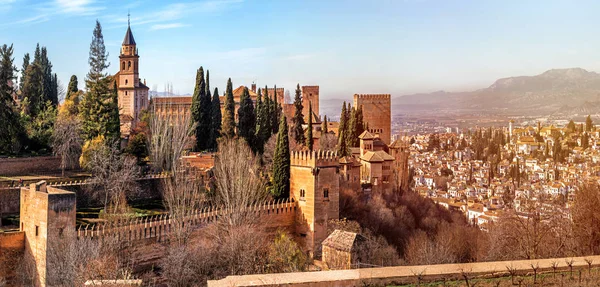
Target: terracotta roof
x,y
366,135
341,240
398,144
376,156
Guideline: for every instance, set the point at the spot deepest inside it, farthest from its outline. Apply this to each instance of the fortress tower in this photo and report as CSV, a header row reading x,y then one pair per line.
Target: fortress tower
x,y
310,95
315,185
47,215
377,113
133,95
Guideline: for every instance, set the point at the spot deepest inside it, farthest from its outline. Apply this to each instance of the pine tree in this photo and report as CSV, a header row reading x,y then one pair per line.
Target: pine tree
x,y
342,133
10,127
588,124
95,105
309,129
246,119
48,87
324,127
215,129
281,162
26,60
298,119
33,93
228,128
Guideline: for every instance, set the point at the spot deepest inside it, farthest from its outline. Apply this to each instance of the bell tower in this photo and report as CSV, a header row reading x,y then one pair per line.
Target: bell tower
x,y
128,74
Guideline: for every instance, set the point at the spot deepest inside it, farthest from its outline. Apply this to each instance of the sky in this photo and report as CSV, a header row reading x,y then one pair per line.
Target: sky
x,y
345,46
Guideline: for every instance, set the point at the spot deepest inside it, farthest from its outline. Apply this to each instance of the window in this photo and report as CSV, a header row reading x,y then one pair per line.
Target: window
x,y
37,230
326,193
123,66
126,91
129,65
126,81
302,194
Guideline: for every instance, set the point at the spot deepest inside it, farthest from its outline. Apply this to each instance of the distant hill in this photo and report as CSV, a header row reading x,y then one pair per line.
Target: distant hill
x,y
556,91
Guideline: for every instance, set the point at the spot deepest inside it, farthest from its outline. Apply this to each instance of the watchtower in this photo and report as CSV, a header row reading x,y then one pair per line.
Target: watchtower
x,y
377,113
47,215
315,185
310,95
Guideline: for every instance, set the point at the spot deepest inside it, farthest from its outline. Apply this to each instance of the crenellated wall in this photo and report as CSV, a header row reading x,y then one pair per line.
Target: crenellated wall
x,y
377,112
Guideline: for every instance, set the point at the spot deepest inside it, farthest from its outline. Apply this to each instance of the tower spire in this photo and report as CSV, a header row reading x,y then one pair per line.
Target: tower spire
x,y
128,16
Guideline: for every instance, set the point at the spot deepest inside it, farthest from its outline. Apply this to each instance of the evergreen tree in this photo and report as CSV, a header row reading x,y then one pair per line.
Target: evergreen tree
x,y
360,124
26,60
276,111
33,93
350,140
281,162
47,82
588,124
571,126
309,129
228,128
199,104
268,111
72,89
113,127
263,130
324,127
215,122
585,141
206,114
10,127
246,119
342,133
96,103
298,119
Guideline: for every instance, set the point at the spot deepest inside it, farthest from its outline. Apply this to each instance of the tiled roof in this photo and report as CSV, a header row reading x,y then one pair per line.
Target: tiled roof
x,y
366,135
341,240
128,37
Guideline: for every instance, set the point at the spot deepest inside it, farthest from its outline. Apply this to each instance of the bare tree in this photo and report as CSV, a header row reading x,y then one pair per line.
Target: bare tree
x,y
238,183
67,141
327,141
114,177
269,153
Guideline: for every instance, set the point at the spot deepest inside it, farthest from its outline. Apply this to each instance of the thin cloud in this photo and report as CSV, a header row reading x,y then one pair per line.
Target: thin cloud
x,y
77,7
167,26
299,57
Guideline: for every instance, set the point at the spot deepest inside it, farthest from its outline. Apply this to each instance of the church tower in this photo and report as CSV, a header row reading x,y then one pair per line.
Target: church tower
x,y
133,95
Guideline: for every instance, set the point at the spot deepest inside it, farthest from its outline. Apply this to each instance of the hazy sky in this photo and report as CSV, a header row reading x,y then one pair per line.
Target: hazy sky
x,y
346,47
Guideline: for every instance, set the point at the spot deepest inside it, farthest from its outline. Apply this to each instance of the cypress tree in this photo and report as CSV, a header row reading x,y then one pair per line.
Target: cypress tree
x,y
298,119
342,133
33,93
268,112
246,119
215,129
309,131
588,124
350,142
281,162
360,124
10,127
276,112
228,128
261,118
324,127
113,131
26,60
73,88
199,114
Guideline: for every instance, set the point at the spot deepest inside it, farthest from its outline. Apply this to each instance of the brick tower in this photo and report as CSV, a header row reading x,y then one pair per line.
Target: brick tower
x,y
47,216
377,112
315,185
133,95
310,95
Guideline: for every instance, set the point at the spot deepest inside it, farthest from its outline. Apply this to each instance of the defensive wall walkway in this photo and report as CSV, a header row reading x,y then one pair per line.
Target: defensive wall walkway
x,y
406,274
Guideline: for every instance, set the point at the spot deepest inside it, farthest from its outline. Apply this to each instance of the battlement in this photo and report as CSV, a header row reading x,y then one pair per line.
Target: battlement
x,y
159,226
314,158
308,89
372,96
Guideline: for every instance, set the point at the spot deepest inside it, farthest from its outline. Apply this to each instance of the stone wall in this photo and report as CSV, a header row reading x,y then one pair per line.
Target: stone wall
x,y
9,201
28,165
377,112
401,275
12,246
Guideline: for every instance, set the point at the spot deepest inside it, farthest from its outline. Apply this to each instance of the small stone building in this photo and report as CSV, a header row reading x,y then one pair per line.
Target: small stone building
x,y
341,249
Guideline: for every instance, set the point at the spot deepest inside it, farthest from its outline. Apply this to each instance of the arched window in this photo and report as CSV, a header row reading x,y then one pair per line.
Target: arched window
x,y
326,193
123,66
126,93
126,81
128,64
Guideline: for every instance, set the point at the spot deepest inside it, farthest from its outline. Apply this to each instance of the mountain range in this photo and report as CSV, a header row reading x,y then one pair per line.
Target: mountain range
x,y
554,92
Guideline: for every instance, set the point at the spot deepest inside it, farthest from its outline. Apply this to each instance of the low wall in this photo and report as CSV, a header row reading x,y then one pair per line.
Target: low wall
x,y
401,274
10,201
12,246
27,165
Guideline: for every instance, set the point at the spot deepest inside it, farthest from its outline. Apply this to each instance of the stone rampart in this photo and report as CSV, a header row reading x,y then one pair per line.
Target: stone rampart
x,y
314,158
401,275
12,246
27,165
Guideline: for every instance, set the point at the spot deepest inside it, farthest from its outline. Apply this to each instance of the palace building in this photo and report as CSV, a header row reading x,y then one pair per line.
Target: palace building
x,y
133,94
